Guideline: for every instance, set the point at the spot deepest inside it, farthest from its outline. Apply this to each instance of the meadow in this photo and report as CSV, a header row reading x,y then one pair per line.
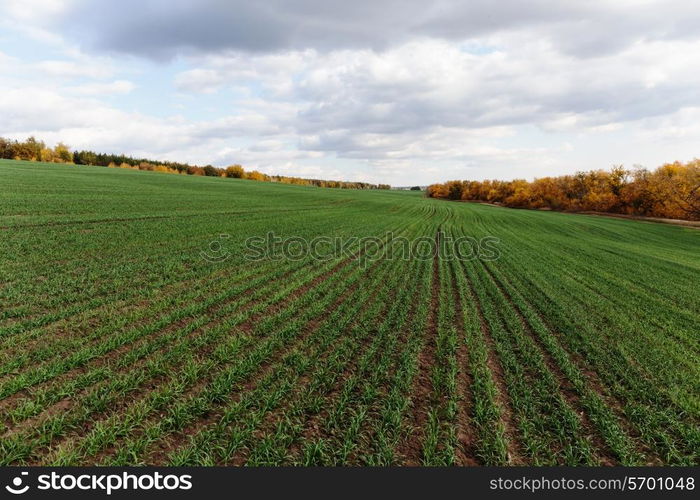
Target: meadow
x,y
120,344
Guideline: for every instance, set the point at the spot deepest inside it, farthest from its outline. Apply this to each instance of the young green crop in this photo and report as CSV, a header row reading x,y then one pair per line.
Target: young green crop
x,y
120,344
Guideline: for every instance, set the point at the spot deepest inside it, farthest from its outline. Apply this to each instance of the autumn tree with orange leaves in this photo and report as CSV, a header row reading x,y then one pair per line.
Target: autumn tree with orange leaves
x,y
670,191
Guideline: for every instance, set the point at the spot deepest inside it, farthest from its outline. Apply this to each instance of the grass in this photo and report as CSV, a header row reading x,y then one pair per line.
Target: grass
x,y
120,344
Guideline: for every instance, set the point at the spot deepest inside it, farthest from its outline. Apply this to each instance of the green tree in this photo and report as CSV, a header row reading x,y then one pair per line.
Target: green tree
x,y
62,153
211,171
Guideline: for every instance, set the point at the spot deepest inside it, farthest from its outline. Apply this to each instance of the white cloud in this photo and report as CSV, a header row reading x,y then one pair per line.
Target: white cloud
x,y
30,11
366,104
72,69
205,81
98,89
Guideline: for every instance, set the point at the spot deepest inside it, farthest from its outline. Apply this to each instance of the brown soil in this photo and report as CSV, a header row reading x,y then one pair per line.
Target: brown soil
x,y
466,453
411,448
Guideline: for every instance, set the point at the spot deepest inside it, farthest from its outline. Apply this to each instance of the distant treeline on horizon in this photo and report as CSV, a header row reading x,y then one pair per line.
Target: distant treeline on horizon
x,y
670,191
35,150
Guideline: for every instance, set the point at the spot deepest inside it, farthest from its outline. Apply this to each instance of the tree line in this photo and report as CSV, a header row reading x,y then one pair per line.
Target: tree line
x,y
670,191
35,150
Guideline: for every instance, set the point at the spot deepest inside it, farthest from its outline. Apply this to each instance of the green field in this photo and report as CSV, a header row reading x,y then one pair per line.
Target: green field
x,y
121,344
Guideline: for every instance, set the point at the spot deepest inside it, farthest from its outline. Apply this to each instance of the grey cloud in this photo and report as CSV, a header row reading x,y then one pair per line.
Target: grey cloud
x,y
164,29
505,104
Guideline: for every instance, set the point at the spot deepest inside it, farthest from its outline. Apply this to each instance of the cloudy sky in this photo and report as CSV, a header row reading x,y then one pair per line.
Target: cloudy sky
x,y
404,92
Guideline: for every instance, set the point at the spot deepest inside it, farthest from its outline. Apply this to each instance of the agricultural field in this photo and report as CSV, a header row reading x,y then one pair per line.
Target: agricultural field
x,y
127,337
